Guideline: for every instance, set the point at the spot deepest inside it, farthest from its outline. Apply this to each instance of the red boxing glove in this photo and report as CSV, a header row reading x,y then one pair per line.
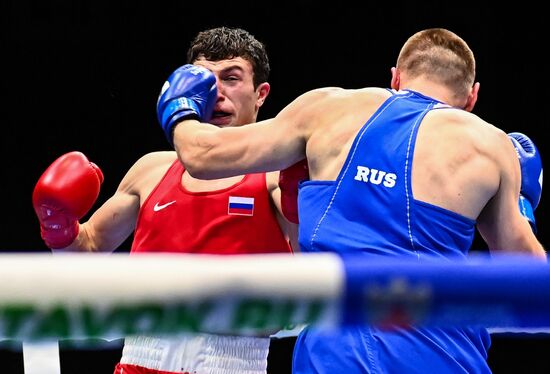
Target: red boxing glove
x,y
65,192
288,183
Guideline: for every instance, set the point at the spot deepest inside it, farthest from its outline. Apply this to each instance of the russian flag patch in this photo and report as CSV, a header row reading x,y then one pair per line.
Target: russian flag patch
x,y
240,206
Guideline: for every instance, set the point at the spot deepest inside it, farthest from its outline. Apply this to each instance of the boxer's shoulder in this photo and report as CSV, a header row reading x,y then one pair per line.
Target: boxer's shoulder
x,y
147,171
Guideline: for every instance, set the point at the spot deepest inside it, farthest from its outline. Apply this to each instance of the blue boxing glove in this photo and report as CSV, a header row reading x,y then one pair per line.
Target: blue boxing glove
x,y
531,175
189,92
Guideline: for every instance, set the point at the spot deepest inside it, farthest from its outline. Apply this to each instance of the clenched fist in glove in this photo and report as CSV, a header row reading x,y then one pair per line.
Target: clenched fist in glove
x,y
189,92
531,175
289,179
65,192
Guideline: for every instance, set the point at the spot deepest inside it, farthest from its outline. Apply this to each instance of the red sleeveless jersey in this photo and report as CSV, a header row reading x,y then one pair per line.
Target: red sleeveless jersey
x,y
235,220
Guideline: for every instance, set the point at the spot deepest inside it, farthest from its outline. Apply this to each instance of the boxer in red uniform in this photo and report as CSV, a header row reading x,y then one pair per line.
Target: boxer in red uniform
x,y
171,211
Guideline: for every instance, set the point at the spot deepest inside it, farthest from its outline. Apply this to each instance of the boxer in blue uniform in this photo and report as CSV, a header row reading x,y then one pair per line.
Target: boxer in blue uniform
x,y
386,220
407,172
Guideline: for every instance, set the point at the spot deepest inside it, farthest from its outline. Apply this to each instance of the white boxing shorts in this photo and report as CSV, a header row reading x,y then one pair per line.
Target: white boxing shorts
x,y
194,354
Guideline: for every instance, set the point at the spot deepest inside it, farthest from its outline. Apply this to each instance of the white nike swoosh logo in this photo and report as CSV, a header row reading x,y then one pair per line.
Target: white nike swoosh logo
x,y
158,207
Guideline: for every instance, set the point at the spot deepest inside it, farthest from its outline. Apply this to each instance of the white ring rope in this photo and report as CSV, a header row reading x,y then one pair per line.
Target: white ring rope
x,y
111,296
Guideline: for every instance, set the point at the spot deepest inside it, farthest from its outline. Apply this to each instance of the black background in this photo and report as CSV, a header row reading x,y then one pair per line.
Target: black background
x,y
85,76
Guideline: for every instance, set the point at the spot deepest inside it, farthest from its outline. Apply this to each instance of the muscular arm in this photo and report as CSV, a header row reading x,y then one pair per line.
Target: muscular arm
x,y
209,152
111,224
500,223
115,220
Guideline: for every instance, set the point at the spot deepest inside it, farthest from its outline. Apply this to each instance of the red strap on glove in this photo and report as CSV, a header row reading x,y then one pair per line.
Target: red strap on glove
x,y
65,192
289,179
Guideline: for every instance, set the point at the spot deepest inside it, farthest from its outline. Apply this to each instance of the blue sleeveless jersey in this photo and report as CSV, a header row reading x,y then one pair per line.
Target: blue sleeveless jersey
x,y
370,208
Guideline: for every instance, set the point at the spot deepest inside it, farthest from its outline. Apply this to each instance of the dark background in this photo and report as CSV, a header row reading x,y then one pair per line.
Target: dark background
x,y
85,76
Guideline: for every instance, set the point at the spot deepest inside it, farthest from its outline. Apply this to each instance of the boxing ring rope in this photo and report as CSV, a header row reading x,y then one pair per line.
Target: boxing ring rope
x,y
79,296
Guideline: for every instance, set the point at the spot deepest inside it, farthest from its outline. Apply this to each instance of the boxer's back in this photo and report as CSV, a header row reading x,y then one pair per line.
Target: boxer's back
x,y
454,164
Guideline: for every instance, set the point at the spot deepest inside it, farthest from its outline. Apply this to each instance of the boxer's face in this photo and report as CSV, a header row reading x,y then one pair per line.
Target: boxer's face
x,y
238,102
